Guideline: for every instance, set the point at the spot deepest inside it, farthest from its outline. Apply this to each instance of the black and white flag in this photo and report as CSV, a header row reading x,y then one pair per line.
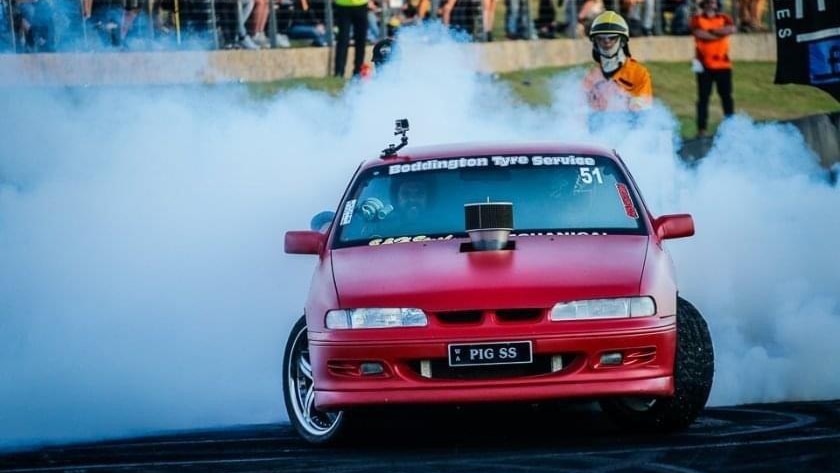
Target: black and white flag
x,y
808,43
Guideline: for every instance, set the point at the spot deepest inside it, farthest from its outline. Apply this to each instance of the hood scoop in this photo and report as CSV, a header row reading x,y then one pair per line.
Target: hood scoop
x,y
489,225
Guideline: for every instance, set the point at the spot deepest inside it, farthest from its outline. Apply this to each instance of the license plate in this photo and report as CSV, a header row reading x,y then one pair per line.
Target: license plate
x,y
501,353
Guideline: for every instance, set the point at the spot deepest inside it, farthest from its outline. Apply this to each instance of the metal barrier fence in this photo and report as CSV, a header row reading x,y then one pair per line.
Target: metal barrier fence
x,y
91,25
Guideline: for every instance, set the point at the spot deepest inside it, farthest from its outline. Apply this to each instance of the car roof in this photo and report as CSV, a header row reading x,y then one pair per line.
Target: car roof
x,y
457,150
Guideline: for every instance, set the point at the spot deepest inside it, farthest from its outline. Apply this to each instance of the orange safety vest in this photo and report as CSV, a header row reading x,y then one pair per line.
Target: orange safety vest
x,y
629,89
712,53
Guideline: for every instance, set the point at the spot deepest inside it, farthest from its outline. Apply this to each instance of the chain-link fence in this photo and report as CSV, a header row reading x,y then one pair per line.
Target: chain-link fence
x,y
93,25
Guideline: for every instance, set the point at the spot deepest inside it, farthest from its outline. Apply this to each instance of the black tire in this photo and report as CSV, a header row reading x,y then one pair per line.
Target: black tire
x,y
317,427
693,375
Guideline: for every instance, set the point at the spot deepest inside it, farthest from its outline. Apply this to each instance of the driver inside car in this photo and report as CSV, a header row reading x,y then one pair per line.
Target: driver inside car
x,y
404,212
411,199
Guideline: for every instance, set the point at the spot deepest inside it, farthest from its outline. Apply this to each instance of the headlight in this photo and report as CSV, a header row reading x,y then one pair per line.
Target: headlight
x,y
375,318
622,307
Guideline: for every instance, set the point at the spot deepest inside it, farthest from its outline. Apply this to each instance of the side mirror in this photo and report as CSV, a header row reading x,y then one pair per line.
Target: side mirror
x,y
674,226
304,242
322,221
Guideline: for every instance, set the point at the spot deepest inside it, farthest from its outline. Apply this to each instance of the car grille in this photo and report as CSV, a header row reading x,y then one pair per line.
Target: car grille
x,y
519,315
476,317
464,317
541,365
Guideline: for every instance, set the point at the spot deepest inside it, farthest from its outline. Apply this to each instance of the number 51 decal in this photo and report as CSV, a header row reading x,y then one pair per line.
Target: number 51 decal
x,y
588,175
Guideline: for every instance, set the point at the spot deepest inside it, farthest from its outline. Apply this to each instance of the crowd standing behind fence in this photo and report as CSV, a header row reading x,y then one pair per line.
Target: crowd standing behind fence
x,y
32,26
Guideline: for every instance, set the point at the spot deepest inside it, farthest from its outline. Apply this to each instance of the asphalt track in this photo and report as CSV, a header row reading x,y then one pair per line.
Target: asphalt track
x,y
786,437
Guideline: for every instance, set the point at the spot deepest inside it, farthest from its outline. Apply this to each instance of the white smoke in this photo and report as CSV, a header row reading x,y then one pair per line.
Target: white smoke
x,y
142,280
763,267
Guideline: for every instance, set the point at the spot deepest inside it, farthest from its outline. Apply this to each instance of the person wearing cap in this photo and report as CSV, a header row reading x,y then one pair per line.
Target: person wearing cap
x,y
382,51
618,83
712,66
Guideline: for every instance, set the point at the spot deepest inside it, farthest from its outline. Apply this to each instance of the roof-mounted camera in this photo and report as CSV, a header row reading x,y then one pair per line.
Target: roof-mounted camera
x,y
400,128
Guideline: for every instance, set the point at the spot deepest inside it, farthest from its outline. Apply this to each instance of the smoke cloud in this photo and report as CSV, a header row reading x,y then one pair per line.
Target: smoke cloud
x,y
143,286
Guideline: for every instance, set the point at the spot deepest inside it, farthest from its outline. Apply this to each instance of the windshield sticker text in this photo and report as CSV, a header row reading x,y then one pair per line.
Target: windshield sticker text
x,y
406,239
626,201
589,175
347,214
508,160
505,161
556,234
563,161
436,164
497,161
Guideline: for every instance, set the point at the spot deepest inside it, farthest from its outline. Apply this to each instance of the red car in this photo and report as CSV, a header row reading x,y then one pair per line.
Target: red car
x,y
486,273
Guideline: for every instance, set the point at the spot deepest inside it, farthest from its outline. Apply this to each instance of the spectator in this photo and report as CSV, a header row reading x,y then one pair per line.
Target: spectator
x,y
259,18
199,23
516,19
465,17
641,14
350,15
244,8
37,29
107,18
546,21
587,14
712,65
415,11
618,82
751,15
163,19
300,22
373,32
682,12
488,18
382,52
66,22
131,9
445,11
5,22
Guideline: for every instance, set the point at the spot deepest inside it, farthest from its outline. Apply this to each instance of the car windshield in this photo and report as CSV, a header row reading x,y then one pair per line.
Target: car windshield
x,y
550,194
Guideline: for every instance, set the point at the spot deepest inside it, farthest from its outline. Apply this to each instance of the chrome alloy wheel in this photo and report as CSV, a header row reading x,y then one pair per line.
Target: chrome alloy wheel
x,y
301,386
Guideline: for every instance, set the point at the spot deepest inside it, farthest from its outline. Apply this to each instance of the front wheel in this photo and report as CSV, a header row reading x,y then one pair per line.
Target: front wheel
x,y
693,373
317,427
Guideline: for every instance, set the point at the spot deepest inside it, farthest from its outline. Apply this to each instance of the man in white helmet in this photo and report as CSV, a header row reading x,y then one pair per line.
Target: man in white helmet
x,y
618,82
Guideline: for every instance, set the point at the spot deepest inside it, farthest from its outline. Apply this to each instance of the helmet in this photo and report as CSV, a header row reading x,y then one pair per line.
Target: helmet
x,y
609,22
382,51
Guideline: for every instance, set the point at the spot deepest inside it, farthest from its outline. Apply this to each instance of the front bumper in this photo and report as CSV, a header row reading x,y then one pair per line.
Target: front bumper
x,y
572,364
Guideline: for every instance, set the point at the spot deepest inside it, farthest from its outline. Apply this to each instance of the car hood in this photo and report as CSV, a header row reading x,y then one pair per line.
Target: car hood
x,y
540,271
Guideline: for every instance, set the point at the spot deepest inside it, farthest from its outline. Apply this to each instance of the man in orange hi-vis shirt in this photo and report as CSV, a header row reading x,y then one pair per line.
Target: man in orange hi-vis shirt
x,y
618,83
712,65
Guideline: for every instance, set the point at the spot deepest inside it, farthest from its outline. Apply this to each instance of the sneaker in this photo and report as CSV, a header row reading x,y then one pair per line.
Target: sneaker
x,y
261,40
248,43
282,41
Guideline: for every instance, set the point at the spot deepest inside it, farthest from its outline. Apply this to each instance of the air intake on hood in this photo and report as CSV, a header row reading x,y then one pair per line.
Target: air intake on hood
x,y
489,224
